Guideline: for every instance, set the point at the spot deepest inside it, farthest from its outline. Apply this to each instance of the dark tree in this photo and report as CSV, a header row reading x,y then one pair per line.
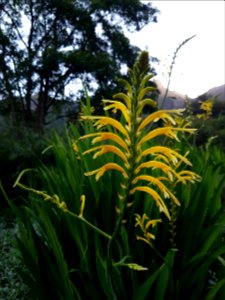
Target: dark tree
x,y
46,44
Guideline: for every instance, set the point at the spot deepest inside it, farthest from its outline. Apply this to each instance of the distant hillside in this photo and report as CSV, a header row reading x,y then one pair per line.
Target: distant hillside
x,y
218,92
173,99
177,100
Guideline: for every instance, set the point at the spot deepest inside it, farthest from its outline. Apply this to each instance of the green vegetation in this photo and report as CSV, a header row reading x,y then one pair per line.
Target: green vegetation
x,y
11,284
63,41
128,207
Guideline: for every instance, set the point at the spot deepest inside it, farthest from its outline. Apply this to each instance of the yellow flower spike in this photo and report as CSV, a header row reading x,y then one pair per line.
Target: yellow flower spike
x,y
130,141
115,105
82,199
109,166
105,149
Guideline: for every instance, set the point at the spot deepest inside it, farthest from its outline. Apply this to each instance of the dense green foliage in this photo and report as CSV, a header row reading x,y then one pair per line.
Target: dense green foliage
x,y
20,148
65,238
188,251
213,127
11,284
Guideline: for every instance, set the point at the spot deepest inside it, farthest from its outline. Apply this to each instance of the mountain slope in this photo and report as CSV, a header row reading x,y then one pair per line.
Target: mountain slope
x,y
218,92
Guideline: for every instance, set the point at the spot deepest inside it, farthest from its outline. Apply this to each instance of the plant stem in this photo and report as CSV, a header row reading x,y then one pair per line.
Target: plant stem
x,y
171,68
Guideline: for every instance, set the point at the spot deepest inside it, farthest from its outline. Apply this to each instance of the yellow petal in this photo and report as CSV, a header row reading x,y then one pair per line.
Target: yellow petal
x,y
123,97
152,223
143,239
109,166
104,121
167,131
110,136
187,175
160,114
144,91
105,149
155,164
90,135
153,180
160,203
143,103
170,153
118,105
102,136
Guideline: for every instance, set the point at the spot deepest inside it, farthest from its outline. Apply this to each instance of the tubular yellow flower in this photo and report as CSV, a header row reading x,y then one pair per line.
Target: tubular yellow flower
x,y
166,131
188,176
115,105
171,154
103,136
125,98
143,103
109,166
154,117
105,149
159,201
144,91
157,165
156,181
104,121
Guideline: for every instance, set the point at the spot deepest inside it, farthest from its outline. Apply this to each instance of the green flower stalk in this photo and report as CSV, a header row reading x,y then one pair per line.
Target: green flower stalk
x,y
132,141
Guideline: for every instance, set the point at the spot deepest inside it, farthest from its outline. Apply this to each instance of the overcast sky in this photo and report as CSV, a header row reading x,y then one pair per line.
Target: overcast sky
x,y
200,64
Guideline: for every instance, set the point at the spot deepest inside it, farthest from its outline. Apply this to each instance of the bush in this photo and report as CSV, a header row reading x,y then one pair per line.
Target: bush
x,y
20,148
213,127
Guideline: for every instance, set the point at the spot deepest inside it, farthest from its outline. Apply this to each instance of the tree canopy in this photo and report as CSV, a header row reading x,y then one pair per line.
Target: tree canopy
x,y
46,44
